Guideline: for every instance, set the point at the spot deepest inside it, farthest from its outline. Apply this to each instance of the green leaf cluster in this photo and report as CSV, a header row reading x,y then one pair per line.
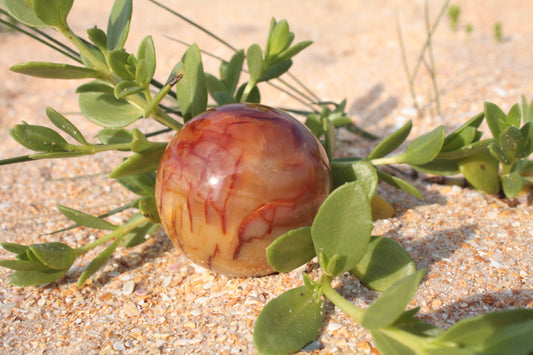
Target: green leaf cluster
x,y
512,145
120,93
38,264
500,163
324,125
274,61
292,320
341,238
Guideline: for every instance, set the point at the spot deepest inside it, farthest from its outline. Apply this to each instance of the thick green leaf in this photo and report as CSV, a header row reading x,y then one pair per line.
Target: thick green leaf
x,y
146,55
513,339
291,52
278,39
525,147
97,57
457,139
191,89
118,24
512,184
342,227
223,98
400,184
95,86
55,255
481,170
118,61
254,60
106,111
142,185
384,263
460,139
480,332
500,154
496,119
22,13
408,322
54,70
273,23
29,256
34,278
465,151
53,12
84,219
115,136
388,344
65,125
425,148
98,37
276,70
390,143
361,171
289,322
217,89
509,141
38,138
140,144
138,164
528,110
139,235
126,88
390,305
23,265
291,250
213,84
314,123
230,72
98,262
514,117
14,247
441,167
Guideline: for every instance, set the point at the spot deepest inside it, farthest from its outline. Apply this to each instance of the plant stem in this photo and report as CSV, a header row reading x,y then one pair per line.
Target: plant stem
x,y
431,67
428,40
303,86
410,77
427,44
85,51
424,344
14,160
340,163
346,306
107,214
209,33
506,169
397,159
247,90
310,99
120,231
152,108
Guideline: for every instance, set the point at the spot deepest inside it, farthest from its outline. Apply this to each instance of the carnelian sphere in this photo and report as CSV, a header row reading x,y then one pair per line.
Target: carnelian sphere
x,y
235,178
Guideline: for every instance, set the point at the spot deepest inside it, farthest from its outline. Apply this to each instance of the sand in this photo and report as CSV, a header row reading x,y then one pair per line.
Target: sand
x,y
151,298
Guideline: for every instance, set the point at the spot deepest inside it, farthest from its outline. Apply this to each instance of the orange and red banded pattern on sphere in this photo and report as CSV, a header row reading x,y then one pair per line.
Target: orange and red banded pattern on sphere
x,y
235,178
